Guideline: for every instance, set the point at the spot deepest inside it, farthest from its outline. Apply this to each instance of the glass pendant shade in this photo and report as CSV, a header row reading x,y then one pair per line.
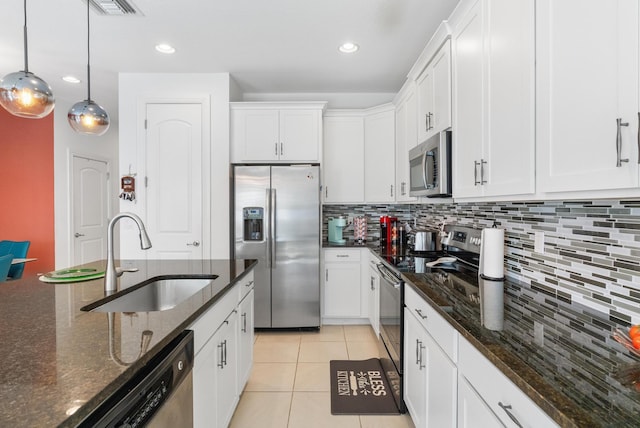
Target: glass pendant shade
x,y
87,117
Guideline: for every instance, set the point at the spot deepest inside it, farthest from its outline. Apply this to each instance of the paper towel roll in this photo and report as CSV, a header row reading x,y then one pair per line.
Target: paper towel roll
x,y
492,304
492,253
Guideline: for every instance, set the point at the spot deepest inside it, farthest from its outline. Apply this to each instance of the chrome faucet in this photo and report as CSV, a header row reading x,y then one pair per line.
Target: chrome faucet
x,y
112,273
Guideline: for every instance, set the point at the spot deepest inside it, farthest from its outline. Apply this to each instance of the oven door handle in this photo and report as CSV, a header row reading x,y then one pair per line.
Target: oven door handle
x,y
388,276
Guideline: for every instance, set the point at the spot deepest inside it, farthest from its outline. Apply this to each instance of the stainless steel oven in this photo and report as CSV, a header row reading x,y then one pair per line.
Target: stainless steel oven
x,y
430,167
391,322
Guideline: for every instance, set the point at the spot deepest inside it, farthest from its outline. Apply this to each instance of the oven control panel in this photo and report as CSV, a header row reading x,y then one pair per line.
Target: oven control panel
x,y
463,238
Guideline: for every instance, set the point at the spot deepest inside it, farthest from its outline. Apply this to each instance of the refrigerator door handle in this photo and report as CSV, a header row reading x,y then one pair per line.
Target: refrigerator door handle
x,y
268,228
273,210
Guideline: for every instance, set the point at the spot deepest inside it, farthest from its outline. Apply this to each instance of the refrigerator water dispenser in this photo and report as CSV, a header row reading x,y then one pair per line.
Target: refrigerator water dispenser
x,y
253,223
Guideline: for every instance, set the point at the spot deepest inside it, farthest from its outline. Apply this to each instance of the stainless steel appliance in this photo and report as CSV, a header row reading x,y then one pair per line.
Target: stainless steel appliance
x,y
160,395
430,167
426,240
276,212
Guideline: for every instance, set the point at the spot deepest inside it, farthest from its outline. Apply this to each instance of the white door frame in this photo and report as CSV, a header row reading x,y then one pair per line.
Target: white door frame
x,y
72,197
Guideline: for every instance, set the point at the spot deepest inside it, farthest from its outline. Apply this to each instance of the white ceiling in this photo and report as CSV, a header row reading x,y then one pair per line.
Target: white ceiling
x,y
268,46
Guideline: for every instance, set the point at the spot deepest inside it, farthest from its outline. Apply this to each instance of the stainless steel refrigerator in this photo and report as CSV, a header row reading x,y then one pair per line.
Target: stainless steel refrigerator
x,y
276,212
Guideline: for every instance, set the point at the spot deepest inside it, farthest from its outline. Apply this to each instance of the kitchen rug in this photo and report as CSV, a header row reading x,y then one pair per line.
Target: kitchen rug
x,y
360,388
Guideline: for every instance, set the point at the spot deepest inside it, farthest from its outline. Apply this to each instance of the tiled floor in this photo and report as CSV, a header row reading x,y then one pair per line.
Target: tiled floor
x,y
289,384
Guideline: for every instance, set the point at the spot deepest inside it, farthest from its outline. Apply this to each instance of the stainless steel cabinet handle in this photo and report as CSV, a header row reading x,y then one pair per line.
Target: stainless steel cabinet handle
x,y
506,408
482,164
281,149
244,322
418,352
77,235
430,122
619,124
402,188
221,361
276,149
422,363
426,122
326,192
475,173
391,191
372,287
225,352
193,244
326,275
419,312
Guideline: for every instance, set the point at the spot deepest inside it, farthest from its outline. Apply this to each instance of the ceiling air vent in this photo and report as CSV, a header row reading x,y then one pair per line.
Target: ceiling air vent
x,y
114,7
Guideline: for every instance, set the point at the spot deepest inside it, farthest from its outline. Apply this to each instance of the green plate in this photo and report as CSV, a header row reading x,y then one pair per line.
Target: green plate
x,y
72,275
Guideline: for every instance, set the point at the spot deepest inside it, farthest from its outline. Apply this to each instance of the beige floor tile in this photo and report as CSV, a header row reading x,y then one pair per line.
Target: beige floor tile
x,y
272,377
275,352
313,410
327,333
262,409
400,421
362,350
312,377
278,336
359,333
322,352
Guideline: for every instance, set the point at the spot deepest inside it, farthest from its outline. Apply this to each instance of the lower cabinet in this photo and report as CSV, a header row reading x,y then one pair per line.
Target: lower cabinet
x,y
223,346
472,410
374,297
341,284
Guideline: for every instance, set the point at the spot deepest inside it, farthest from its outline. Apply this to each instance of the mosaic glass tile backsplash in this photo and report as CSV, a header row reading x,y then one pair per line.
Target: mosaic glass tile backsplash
x,y
591,248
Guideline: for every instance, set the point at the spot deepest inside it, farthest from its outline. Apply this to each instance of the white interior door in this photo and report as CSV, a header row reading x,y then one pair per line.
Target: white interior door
x,y
174,157
90,210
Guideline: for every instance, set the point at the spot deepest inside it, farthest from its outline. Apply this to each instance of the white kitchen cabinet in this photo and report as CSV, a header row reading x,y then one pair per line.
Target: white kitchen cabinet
x,y
342,284
379,155
406,139
499,393
245,340
430,380
493,48
226,379
434,94
587,78
373,293
343,157
274,132
472,410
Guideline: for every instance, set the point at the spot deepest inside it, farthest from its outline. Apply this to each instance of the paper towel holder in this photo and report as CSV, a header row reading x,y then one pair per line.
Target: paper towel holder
x,y
482,261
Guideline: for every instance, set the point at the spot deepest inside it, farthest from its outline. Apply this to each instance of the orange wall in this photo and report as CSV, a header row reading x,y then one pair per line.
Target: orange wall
x,y
26,187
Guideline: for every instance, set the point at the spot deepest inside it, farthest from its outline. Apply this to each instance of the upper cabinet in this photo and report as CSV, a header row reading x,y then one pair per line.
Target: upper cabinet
x,y
587,95
379,154
493,49
434,94
406,138
272,132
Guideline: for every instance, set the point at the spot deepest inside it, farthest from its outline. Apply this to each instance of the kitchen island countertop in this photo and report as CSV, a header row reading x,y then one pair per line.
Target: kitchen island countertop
x,y
58,362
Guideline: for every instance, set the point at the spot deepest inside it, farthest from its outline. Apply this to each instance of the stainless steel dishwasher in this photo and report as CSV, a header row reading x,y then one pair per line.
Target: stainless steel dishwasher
x,y
160,395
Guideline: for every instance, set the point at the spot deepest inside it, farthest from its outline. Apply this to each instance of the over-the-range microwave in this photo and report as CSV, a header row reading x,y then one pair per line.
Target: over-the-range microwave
x,y
430,167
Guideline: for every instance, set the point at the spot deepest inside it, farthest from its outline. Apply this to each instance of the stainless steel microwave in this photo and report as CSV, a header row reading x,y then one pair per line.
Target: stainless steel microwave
x,y
430,167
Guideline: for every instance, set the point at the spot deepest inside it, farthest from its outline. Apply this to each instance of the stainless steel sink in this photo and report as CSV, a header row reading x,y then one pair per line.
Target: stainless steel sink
x,y
158,295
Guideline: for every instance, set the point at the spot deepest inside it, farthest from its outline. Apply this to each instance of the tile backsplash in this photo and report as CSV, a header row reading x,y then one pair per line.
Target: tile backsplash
x,y
591,248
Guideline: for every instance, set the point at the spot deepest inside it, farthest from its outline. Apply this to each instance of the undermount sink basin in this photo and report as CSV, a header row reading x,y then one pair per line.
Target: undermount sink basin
x,y
158,295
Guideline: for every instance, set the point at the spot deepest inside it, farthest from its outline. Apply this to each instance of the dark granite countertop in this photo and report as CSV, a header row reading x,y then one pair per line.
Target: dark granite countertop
x,y
578,374
351,244
57,359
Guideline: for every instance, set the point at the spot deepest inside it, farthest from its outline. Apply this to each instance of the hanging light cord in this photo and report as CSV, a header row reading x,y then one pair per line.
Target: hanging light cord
x,y
88,57
26,57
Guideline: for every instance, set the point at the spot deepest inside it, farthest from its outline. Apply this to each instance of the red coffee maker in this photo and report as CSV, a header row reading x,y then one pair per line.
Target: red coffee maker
x,y
388,230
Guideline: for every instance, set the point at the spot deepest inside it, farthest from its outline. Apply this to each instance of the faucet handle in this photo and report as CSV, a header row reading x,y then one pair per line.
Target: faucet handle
x,y
120,270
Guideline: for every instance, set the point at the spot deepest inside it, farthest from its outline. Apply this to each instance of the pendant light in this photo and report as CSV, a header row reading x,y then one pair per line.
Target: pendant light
x,y
87,117
23,93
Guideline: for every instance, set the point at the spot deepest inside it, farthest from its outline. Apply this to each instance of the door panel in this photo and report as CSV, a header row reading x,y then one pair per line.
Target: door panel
x,y
174,188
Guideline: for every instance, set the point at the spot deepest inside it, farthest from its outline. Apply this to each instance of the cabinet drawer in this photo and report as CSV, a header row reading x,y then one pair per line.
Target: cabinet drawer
x,y
444,334
498,391
245,285
333,255
206,325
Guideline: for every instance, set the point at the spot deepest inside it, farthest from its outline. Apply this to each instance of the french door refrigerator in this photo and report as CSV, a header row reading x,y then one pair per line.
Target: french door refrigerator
x,y
276,212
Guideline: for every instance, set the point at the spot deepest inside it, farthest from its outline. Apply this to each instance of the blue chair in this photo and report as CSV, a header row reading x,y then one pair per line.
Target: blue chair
x,y
19,250
5,264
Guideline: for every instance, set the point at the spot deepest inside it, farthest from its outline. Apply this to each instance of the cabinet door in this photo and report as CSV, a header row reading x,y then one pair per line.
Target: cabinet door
x,y
587,77
510,139
245,340
226,379
469,108
441,395
472,410
342,290
379,157
343,159
441,70
300,135
204,386
406,139
425,104
415,370
255,133
374,299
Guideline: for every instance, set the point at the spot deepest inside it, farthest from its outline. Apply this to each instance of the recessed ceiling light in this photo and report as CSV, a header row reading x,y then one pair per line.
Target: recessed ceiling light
x,y
165,48
348,47
71,79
